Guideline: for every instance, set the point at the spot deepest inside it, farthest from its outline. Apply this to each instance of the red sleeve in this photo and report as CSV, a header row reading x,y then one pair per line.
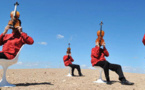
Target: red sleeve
x,y
65,58
26,39
95,52
72,59
1,39
106,53
143,40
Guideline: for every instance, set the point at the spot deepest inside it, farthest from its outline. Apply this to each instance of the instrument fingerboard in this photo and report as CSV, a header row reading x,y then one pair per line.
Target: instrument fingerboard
x,y
15,9
68,44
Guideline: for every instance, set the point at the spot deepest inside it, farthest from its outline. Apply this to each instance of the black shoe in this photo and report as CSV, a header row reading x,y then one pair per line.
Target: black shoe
x,y
109,82
125,82
73,75
81,75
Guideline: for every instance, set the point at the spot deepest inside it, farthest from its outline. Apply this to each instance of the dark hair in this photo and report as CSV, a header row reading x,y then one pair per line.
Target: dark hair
x,y
68,52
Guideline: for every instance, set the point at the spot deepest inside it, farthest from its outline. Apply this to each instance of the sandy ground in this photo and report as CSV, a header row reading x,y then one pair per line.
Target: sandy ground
x,y
56,79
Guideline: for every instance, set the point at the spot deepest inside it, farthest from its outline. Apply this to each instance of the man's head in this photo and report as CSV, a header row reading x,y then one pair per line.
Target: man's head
x,y
15,30
68,51
18,23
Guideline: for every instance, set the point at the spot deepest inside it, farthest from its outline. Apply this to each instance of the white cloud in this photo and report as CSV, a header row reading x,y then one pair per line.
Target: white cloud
x,y
36,64
83,66
42,43
59,36
91,67
86,67
32,64
133,69
19,63
47,66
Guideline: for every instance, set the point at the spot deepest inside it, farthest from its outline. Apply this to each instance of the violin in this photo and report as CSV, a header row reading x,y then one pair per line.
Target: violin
x,y
100,35
14,22
69,49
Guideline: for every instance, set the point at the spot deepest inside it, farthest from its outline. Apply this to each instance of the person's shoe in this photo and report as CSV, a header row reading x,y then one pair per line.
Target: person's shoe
x,y
109,82
81,75
125,82
73,75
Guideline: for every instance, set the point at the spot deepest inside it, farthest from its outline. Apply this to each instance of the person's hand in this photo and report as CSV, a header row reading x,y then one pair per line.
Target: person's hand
x,y
97,44
103,44
19,29
68,56
6,29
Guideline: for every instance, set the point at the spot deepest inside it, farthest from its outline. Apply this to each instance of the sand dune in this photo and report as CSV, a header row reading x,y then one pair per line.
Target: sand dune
x,y
56,79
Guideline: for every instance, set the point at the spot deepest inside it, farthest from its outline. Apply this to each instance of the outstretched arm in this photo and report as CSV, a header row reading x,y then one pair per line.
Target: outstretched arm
x,y
6,29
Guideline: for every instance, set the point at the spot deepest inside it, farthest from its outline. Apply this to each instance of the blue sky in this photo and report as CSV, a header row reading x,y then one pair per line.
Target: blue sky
x,y
54,23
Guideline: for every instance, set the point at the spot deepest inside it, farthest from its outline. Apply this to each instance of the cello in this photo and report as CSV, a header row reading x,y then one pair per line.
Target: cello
x,y
14,22
100,35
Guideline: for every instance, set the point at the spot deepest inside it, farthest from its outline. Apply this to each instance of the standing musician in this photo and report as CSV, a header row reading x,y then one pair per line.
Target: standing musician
x,y
68,62
98,59
13,42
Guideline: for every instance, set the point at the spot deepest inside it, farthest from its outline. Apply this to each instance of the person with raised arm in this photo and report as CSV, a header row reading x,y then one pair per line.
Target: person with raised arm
x,y
13,42
98,59
68,62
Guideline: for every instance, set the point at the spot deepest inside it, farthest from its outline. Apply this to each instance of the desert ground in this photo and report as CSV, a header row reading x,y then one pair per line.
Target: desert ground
x,y
56,79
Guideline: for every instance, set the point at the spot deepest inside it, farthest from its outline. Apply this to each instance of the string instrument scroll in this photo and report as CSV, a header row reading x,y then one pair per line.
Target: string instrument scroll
x,y
14,22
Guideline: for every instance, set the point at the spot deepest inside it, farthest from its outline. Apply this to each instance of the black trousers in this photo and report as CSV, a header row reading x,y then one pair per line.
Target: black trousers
x,y
2,55
73,66
114,67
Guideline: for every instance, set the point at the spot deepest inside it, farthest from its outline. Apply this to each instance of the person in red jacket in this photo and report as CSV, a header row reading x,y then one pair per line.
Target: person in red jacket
x,y
68,62
98,59
13,42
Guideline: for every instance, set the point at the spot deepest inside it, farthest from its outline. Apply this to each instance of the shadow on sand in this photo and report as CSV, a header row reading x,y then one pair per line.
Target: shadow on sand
x,y
113,82
78,76
29,84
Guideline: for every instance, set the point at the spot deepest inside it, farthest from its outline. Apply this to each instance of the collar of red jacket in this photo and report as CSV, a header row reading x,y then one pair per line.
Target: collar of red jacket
x,y
97,46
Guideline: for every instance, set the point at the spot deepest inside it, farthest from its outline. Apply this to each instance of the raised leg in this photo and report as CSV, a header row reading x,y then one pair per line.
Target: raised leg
x,y
4,82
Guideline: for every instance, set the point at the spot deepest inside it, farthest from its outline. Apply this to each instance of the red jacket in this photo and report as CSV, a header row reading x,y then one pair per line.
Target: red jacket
x,y
98,54
67,60
143,40
13,42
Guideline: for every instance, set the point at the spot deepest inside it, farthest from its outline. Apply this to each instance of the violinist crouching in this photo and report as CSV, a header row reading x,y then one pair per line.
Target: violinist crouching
x,y
98,59
68,62
13,42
